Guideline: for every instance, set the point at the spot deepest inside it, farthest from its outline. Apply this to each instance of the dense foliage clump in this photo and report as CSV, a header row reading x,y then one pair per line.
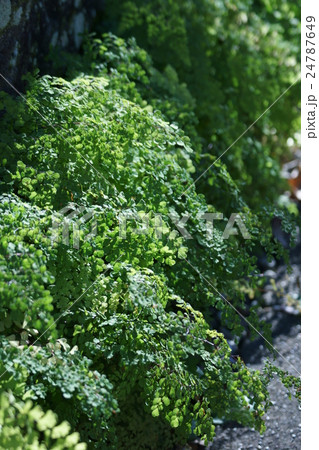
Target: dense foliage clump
x,y
113,328
235,58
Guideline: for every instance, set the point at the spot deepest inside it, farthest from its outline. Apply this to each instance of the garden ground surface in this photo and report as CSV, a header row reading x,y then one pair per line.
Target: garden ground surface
x,y
283,419
281,307
281,301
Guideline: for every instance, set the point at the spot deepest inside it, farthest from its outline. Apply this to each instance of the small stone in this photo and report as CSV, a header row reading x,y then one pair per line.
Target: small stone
x,y
270,273
293,436
269,298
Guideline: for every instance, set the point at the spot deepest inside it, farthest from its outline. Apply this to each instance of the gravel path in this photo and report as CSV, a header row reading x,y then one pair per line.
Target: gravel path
x,y
280,305
283,419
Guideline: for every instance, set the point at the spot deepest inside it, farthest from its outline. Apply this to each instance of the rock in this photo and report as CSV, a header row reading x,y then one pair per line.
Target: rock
x,y
5,10
29,28
269,298
270,274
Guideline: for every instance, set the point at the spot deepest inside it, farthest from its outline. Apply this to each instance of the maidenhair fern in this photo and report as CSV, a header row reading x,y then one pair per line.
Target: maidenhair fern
x,y
113,334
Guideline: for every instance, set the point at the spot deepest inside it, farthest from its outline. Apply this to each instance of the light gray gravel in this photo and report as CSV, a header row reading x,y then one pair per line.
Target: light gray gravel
x,y
283,419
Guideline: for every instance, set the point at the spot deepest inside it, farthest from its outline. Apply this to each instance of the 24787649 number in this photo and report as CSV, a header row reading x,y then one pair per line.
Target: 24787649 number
x,y
310,47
